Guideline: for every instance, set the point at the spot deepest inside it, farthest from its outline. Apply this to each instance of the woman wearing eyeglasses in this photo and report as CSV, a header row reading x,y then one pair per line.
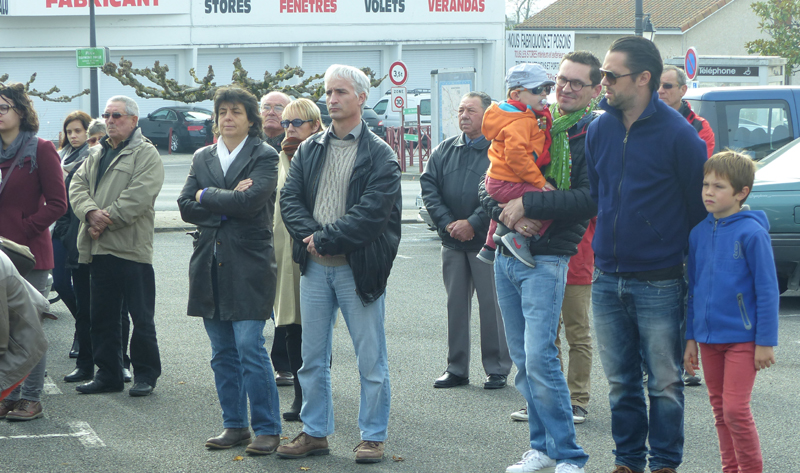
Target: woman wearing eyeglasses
x,y
32,197
73,149
301,119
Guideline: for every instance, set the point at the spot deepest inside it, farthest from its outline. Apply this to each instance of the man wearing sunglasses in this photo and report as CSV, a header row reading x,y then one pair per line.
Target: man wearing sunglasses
x,y
646,173
673,88
112,194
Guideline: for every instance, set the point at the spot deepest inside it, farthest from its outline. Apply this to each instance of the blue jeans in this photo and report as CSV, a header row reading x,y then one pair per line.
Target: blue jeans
x,y
530,301
635,319
242,370
323,290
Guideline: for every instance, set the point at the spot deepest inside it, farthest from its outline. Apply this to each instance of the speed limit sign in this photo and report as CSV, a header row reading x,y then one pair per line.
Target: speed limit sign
x,y
398,73
398,99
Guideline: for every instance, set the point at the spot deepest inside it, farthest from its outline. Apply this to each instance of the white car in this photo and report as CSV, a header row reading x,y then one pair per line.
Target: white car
x,y
421,97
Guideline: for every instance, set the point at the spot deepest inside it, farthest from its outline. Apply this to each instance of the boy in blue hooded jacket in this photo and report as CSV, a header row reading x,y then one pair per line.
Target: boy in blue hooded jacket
x,y
733,305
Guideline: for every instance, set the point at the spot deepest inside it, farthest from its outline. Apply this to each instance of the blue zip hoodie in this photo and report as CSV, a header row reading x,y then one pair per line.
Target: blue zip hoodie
x,y
733,287
647,182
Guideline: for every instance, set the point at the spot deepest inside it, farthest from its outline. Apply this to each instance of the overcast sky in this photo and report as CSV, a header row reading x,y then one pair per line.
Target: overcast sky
x,y
538,5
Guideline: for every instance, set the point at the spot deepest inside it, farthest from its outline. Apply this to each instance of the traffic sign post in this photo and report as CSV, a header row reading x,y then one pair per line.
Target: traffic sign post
x,y
690,65
398,73
398,99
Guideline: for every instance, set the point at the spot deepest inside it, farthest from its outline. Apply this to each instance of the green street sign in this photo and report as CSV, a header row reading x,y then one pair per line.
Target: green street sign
x,y
410,111
409,137
91,57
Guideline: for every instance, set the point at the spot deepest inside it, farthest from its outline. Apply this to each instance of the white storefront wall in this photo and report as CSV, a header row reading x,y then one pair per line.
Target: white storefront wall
x,y
41,36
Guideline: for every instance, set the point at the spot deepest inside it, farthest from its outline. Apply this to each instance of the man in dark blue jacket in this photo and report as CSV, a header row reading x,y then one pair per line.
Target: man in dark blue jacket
x,y
646,171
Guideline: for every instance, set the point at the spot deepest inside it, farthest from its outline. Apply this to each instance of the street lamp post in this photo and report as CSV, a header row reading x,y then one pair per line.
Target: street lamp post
x,y
95,100
639,19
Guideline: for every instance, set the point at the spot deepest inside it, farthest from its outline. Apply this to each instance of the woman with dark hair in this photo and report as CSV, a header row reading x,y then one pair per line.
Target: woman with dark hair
x,y
230,195
74,148
32,197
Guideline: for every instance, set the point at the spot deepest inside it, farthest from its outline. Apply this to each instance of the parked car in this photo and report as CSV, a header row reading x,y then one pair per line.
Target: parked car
x,y
191,127
368,114
776,191
414,97
423,213
756,120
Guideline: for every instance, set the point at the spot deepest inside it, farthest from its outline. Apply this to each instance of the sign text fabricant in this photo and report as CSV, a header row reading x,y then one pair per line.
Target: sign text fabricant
x,y
100,3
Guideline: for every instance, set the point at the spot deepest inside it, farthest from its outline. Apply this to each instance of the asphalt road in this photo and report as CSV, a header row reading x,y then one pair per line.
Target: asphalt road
x,y
464,429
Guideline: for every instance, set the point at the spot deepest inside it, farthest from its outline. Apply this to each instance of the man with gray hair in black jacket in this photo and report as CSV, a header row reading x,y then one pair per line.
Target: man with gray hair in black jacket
x,y
450,192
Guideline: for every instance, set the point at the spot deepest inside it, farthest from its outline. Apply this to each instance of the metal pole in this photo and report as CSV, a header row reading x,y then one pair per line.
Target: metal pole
x,y
95,99
639,17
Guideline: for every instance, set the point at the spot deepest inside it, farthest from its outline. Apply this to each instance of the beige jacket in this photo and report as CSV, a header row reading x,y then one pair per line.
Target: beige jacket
x,y
128,192
22,341
287,291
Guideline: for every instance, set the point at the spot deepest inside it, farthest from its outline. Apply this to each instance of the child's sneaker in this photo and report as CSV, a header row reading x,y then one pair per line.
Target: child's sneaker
x,y
532,461
568,468
486,255
518,246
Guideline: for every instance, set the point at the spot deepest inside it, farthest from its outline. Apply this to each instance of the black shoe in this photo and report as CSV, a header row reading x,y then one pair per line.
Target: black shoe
x,y
140,389
96,387
126,375
449,380
79,374
73,352
495,381
291,416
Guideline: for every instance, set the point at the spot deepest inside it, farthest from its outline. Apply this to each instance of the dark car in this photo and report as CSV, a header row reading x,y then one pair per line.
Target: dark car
x,y
191,127
776,191
373,120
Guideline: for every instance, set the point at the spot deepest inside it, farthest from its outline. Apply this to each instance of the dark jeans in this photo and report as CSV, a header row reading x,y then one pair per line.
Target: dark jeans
x,y
278,354
62,277
83,324
112,280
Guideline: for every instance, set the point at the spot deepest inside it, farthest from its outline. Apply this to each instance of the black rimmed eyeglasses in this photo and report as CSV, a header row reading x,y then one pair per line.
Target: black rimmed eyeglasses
x,y
612,77
297,123
5,109
574,84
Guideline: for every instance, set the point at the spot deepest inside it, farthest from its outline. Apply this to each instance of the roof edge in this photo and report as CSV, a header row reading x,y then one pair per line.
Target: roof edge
x,y
705,14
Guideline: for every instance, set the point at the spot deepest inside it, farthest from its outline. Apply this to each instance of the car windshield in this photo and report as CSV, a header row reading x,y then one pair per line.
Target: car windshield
x,y
782,165
195,115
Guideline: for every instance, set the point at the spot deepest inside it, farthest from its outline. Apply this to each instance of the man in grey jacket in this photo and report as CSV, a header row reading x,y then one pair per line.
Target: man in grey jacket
x,y
450,191
113,195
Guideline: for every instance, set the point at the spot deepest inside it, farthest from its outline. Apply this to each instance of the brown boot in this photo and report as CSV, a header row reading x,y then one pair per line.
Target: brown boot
x,y
26,410
304,445
369,452
264,445
624,469
229,438
665,470
7,406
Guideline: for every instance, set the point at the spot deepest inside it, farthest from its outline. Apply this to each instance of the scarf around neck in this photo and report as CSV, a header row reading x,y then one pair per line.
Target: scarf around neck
x,y
30,150
289,145
560,158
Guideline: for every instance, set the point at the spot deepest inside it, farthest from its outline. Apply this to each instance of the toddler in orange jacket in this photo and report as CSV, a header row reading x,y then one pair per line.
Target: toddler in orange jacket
x,y
520,132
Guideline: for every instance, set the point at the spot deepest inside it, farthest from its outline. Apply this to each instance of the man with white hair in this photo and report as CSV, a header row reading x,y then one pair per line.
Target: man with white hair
x,y
272,105
112,194
341,205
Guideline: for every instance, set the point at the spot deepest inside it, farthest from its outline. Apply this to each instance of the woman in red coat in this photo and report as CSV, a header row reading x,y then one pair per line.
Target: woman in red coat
x,y
32,197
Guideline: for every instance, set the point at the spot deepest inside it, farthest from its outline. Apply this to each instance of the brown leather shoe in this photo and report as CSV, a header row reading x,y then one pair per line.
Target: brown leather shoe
x,y
624,469
7,406
229,438
665,470
303,446
369,452
26,410
264,445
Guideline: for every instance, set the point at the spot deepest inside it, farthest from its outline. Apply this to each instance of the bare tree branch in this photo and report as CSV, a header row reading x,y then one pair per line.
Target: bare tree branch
x,y
45,96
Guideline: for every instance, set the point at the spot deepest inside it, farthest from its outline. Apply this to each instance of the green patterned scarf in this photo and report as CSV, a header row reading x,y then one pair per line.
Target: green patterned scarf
x,y
560,159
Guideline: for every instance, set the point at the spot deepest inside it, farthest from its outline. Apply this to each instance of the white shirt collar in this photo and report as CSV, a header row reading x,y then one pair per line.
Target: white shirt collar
x,y
226,157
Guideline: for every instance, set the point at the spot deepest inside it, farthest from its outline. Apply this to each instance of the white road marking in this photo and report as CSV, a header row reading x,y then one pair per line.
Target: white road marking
x,y
49,386
80,430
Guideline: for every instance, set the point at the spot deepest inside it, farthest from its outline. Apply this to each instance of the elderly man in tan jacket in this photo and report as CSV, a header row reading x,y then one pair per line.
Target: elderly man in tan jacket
x,y
22,341
113,194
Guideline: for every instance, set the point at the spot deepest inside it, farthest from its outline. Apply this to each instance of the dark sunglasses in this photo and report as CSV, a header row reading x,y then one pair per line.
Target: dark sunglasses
x,y
115,115
297,123
542,88
611,77
668,85
93,139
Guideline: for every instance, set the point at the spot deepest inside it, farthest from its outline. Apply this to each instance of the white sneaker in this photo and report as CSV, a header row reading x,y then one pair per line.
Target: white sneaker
x,y
532,461
568,468
520,415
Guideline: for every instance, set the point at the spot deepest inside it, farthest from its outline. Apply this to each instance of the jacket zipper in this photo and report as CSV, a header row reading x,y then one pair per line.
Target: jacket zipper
x,y
711,278
743,311
619,194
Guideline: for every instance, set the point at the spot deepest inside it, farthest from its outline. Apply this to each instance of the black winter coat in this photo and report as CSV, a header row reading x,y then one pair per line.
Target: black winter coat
x,y
369,232
241,244
67,226
570,209
450,189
